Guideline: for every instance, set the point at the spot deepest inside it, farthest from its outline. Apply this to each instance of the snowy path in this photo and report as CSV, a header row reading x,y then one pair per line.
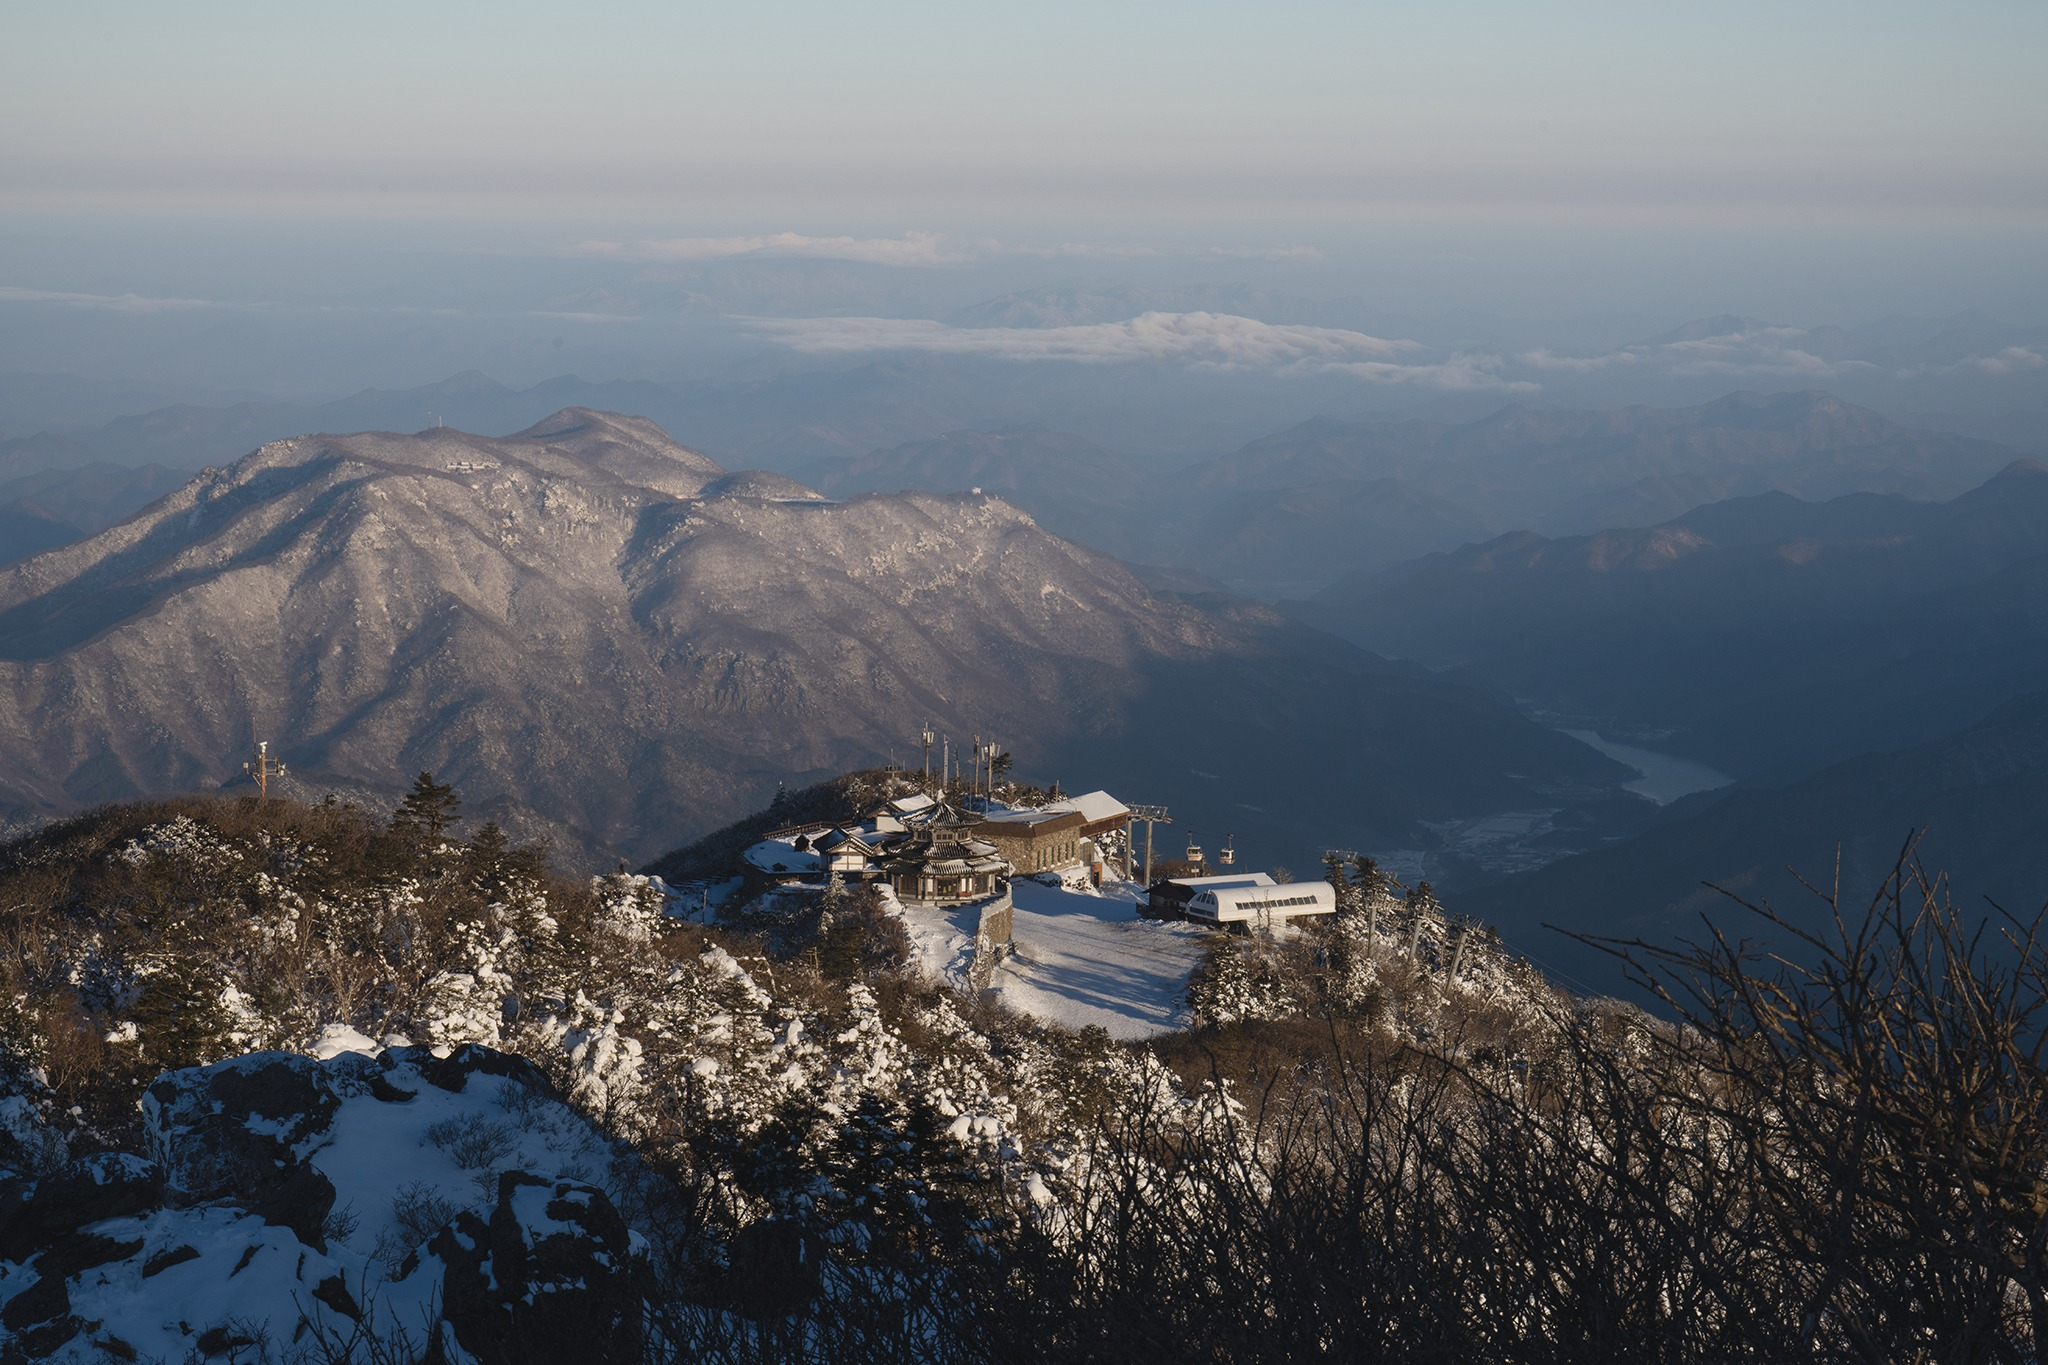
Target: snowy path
x,y
1081,959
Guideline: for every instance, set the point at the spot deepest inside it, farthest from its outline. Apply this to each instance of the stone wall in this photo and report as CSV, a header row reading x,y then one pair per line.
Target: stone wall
x,y
992,938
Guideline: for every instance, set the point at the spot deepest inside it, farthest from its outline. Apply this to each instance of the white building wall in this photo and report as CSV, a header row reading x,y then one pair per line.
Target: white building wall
x,y
1275,903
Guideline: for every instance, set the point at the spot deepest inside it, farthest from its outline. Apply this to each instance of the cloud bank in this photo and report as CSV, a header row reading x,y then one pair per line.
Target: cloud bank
x,y
113,303
1749,351
1204,341
2011,360
911,249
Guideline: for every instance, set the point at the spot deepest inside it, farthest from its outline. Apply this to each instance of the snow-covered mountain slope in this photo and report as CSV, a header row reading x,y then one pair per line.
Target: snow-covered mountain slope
x,y
599,635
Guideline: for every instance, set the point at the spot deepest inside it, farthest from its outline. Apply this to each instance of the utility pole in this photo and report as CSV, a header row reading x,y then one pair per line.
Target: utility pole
x,y
927,736
263,769
1150,815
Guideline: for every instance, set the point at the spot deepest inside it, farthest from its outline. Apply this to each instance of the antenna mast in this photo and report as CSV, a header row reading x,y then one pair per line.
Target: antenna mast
x,y
263,769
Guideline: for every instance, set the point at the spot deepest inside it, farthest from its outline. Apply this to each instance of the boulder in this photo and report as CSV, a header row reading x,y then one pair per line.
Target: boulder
x,y
240,1131
34,1214
552,1275
452,1072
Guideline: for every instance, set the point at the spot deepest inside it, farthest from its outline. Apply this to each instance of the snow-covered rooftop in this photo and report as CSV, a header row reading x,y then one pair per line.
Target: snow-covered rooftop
x,y
1094,806
1023,815
781,855
1225,880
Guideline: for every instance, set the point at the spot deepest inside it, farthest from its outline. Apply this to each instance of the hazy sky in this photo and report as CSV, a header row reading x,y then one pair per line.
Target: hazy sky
x,y
772,116
286,197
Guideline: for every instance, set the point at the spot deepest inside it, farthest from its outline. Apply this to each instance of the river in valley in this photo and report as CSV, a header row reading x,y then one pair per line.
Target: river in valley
x,y
1665,777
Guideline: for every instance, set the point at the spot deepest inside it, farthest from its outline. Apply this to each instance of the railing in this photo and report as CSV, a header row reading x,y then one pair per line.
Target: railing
x,y
787,830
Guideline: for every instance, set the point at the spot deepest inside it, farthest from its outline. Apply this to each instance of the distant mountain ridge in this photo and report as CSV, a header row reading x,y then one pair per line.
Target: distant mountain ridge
x,y
1282,516
1761,633
1565,472
1072,487
601,635
1294,511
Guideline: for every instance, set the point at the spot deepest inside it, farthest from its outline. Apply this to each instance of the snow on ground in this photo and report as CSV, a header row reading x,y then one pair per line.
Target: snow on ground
x,y
941,938
1081,958
700,901
199,1268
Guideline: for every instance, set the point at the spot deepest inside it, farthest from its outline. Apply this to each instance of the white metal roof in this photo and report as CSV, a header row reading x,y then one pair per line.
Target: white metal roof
x,y
1026,815
1227,879
1094,806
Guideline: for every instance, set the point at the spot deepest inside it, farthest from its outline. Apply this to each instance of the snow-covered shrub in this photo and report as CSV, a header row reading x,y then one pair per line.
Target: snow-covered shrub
x,y
1240,979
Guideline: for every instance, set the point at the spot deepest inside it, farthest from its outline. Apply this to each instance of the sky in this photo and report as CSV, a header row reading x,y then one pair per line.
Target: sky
x,y
218,195
982,116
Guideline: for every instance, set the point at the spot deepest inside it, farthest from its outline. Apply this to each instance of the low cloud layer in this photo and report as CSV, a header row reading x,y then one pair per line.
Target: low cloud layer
x,y
1758,350
1210,341
111,303
2011,360
911,249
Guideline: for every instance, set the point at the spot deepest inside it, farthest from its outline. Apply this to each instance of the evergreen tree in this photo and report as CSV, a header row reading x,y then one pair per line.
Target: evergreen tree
x,y
1370,880
181,1017
488,859
428,809
1333,873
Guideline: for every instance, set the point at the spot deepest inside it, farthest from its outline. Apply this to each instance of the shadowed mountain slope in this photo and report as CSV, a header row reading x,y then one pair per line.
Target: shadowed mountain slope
x,y
1762,633
1978,794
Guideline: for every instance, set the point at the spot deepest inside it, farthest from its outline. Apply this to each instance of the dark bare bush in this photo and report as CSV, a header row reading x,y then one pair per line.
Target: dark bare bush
x,y
473,1142
1881,1089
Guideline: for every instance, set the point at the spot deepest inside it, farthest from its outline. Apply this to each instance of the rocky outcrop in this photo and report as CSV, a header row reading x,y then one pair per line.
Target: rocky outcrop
x,y
550,1274
35,1212
416,1205
240,1132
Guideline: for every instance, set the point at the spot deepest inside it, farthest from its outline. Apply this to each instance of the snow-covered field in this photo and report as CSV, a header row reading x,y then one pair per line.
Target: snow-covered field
x,y
1080,958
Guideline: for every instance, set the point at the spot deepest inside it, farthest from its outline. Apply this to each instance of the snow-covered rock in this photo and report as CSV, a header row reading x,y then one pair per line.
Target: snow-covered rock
x,y
362,1204
239,1132
550,1274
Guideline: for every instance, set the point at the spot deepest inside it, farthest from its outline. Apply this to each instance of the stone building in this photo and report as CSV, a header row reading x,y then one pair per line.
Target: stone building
x,y
1034,840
